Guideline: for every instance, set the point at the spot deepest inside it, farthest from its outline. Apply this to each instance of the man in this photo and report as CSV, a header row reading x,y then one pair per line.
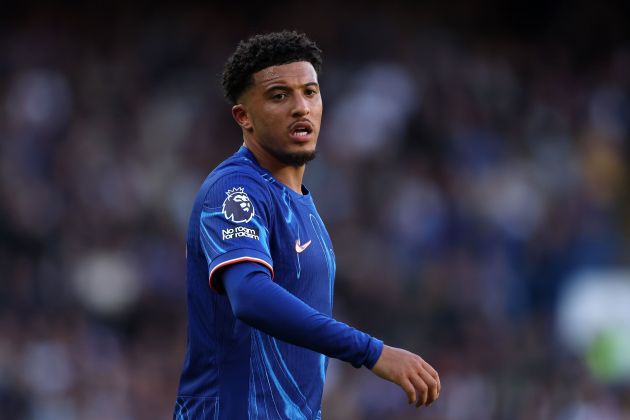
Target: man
x,y
260,264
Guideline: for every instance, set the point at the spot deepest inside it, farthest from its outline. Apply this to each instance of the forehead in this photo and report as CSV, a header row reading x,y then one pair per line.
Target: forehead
x,y
299,72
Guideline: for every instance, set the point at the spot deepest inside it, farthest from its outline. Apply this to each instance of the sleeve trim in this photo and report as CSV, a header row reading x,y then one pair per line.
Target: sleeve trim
x,y
238,260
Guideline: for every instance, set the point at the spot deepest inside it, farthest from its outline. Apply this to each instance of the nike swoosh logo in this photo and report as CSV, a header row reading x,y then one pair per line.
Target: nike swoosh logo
x,y
301,248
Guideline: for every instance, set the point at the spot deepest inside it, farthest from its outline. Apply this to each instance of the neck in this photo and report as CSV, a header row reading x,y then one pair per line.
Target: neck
x,y
290,176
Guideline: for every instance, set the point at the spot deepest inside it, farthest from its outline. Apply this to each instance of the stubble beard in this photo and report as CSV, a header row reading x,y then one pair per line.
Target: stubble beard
x,y
292,159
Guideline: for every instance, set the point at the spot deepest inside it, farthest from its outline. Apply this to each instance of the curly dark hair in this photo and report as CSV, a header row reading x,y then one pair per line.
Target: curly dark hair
x,y
262,51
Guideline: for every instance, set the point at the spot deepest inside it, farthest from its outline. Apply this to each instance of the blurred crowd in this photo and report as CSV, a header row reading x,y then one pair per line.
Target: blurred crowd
x,y
465,178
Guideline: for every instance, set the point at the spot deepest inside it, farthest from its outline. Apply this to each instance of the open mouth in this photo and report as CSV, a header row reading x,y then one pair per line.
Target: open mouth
x,y
301,132
301,129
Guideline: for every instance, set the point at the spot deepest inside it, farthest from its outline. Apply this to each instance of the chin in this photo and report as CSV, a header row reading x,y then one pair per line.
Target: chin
x,y
296,159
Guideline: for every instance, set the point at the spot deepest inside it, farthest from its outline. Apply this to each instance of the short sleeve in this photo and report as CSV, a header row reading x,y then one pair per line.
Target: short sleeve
x,y
235,224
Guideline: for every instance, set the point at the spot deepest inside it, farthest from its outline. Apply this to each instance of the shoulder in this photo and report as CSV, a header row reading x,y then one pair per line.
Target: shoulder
x,y
236,186
237,175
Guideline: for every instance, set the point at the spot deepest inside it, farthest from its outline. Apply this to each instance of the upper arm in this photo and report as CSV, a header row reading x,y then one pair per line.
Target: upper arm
x,y
235,224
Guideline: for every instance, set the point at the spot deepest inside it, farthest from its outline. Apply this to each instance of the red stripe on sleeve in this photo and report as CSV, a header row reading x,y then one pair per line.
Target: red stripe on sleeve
x,y
238,260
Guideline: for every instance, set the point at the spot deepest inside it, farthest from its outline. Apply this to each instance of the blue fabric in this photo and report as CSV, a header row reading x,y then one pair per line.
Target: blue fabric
x,y
233,370
264,305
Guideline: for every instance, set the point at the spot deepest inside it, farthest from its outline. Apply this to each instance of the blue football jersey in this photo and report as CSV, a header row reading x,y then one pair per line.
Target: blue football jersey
x,y
231,370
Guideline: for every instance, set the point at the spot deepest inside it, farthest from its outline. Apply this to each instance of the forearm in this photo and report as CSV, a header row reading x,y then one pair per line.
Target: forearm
x,y
266,306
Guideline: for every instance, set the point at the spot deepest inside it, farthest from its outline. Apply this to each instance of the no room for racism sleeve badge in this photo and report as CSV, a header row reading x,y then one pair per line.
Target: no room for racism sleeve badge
x,y
237,206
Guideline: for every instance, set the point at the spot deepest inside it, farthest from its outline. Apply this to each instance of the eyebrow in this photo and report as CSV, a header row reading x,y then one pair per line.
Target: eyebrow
x,y
281,86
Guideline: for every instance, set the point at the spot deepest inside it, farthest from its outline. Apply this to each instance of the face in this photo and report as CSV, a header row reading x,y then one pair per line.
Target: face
x,y
281,112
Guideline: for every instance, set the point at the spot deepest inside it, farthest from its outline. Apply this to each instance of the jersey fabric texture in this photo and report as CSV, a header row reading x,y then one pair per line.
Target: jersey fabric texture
x,y
232,370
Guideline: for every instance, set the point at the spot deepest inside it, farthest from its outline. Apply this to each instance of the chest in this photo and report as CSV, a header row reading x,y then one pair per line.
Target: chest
x,y
302,253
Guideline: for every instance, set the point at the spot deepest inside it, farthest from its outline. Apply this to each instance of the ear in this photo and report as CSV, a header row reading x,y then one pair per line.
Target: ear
x,y
240,115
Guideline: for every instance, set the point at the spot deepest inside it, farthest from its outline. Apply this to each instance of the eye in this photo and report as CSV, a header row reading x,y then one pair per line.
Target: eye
x,y
311,92
279,96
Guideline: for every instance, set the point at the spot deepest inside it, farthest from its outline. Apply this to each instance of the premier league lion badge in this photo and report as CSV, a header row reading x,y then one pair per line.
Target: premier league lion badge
x,y
237,206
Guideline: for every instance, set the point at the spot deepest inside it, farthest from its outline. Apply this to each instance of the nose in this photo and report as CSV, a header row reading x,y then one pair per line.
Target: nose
x,y
301,106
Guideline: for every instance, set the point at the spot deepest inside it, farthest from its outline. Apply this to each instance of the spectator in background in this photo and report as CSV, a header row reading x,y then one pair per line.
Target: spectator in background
x,y
514,150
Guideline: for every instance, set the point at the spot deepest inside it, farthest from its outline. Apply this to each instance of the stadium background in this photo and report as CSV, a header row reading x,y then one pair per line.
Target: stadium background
x,y
473,173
